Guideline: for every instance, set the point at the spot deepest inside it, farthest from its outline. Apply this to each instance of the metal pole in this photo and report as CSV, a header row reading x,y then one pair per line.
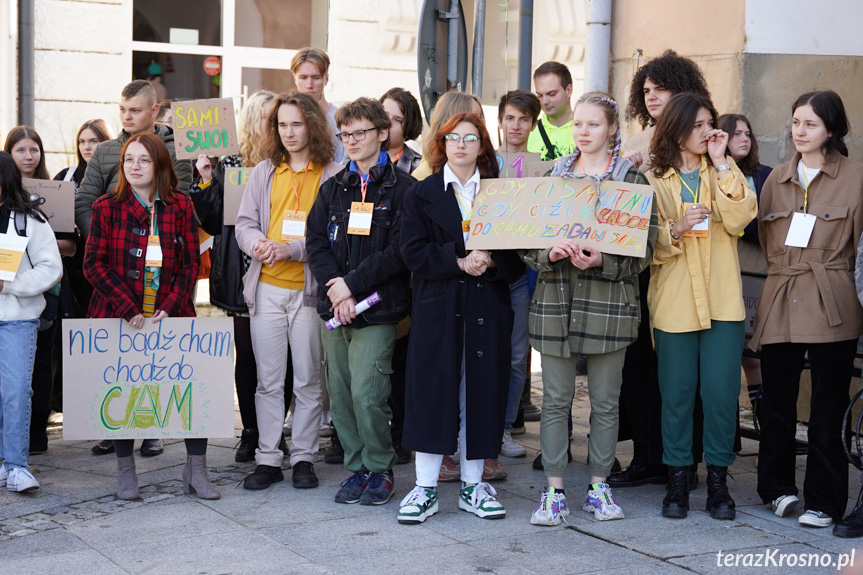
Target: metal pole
x,y
452,46
26,62
478,47
598,48
525,44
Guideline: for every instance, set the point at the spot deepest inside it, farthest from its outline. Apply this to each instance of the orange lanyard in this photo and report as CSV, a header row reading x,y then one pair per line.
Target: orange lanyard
x,y
399,155
153,220
805,192
583,171
302,183
364,184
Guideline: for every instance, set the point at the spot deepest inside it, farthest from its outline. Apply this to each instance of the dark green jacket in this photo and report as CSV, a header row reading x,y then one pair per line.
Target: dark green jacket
x,y
103,170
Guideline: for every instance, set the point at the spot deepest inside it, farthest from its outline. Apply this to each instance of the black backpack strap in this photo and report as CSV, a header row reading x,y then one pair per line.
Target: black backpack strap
x,y
21,224
550,150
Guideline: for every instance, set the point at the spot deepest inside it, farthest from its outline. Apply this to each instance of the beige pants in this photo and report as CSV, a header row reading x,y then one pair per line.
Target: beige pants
x,y
279,311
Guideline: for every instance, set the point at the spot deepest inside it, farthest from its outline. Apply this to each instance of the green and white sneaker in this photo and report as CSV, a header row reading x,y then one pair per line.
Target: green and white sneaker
x,y
479,499
417,505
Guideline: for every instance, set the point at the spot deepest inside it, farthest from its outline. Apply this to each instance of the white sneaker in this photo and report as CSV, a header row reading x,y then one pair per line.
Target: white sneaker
x,y
509,447
552,509
289,425
21,480
326,428
601,503
4,475
784,504
479,499
417,505
812,518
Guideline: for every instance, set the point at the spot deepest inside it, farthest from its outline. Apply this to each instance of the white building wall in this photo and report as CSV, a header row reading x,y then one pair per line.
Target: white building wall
x,y
83,60
826,28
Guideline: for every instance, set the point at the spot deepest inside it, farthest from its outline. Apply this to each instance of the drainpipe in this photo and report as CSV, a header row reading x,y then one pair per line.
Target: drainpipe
x,y
478,47
26,62
598,48
525,43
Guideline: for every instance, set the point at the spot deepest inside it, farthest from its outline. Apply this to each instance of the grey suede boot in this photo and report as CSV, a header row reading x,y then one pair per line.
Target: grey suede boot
x,y
127,478
195,478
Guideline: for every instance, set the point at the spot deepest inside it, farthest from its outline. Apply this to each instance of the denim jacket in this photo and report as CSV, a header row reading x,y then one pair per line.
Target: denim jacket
x,y
381,268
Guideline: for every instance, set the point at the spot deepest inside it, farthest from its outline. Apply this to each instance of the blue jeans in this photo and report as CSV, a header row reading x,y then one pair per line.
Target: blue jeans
x,y
18,342
520,296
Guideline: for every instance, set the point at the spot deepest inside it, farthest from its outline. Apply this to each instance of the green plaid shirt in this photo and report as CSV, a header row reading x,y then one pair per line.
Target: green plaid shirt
x,y
591,311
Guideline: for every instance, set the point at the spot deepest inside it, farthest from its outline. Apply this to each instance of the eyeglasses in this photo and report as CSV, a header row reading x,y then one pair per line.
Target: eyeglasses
x,y
142,162
468,140
358,135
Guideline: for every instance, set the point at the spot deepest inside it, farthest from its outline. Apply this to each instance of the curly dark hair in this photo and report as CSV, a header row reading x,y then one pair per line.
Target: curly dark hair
x,y
670,71
728,124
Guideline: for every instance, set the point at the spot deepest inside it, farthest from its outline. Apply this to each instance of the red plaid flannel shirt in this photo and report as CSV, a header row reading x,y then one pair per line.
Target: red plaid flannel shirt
x,y
114,258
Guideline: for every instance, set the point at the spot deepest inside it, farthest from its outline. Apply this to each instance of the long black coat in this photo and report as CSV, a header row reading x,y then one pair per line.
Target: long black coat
x,y
454,314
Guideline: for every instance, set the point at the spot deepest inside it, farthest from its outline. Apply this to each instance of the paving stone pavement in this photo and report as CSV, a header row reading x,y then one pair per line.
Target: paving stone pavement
x,y
75,524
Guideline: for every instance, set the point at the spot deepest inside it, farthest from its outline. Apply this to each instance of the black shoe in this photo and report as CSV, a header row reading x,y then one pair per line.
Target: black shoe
x,y
637,474
581,365
851,526
38,446
104,447
615,467
402,455
263,477
334,453
719,501
531,412
537,462
676,502
303,475
247,446
152,447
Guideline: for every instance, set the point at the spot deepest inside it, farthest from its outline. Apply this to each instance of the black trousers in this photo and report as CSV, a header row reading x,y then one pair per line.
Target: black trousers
x,y
825,486
397,389
42,384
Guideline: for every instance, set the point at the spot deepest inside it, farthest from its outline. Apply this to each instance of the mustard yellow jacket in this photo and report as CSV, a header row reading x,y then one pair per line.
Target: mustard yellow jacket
x,y
697,280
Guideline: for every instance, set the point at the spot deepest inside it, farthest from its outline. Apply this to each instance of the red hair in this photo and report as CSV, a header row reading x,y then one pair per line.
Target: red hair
x,y
164,176
486,160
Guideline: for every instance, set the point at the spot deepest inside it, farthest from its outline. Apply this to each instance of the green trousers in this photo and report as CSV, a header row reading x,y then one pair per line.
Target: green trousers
x,y
358,365
603,386
714,356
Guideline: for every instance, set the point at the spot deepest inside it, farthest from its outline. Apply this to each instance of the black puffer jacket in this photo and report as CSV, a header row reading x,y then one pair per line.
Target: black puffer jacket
x,y
229,263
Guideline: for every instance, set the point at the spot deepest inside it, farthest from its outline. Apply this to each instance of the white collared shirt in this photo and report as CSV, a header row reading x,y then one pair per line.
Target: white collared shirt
x,y
466,193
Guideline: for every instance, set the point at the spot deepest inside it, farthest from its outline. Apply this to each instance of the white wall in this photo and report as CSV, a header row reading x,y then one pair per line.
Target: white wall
x,y
818,28
8,68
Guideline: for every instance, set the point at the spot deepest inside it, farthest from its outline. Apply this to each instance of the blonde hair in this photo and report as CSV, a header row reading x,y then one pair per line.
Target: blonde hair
x,y
254,143
449,105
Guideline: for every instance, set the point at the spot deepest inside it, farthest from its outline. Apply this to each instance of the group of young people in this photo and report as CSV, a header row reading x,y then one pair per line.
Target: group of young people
x,y
343,224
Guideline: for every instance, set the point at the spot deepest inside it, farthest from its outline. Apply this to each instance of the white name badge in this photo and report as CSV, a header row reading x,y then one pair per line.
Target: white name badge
x,y
800,230
699,230
293,226
153,257
12,248
360,222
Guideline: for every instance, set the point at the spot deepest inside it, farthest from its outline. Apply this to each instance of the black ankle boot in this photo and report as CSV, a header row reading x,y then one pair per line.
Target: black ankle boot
x,y
719,501
676,502
247,446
